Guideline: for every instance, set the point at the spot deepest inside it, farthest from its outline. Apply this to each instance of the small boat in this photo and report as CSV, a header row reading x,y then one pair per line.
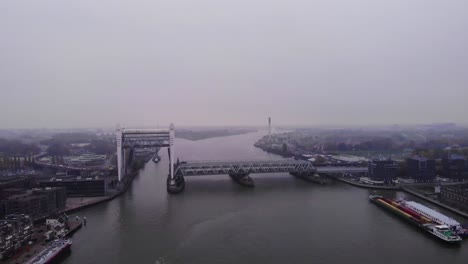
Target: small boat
x,y
156,158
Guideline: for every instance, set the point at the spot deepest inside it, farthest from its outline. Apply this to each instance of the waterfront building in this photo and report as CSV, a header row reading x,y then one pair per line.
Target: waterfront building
x,y
456,196
455,168
36,203
14,182
15,232
421,169
383,170
57,227
78,186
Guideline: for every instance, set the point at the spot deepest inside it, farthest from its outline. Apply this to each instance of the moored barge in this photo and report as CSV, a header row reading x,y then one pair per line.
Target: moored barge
x,y
399,208
52,252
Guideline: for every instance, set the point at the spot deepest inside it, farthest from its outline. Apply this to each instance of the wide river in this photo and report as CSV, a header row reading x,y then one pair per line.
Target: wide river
x,y
281,220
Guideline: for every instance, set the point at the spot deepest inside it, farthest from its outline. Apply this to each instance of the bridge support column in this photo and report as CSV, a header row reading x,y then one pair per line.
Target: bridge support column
x,y
243,179
171,150
175,184
309,177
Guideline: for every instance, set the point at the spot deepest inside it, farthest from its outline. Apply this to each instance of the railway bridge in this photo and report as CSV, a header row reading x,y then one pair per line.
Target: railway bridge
x,y
239,171
195,168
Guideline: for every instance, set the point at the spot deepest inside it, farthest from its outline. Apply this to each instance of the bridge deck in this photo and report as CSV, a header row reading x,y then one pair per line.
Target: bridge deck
x,y
242,167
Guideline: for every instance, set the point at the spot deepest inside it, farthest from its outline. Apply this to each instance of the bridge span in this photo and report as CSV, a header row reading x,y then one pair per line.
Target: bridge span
x,y
239,171
195,168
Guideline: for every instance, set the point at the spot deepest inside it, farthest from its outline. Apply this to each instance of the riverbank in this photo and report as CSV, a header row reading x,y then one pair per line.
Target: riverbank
x,y
279,152
447,207
362,185
29,251
407,190
74,207
195,135
76,204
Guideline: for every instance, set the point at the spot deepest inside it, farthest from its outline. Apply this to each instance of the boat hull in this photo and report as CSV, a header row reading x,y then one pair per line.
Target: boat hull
x,y
383,203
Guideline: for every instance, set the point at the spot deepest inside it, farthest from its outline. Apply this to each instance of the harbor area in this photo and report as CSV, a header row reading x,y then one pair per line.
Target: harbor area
x,y
41,236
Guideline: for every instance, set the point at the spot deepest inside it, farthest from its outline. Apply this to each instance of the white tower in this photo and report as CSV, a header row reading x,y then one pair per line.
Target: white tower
x,y
269,128
171,149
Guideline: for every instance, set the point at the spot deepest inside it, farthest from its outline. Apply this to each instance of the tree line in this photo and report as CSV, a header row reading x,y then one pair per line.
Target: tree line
x,y
16,162
17,148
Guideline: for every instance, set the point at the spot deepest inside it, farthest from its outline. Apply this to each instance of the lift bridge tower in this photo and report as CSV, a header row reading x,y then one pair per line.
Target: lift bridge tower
x,y
130,139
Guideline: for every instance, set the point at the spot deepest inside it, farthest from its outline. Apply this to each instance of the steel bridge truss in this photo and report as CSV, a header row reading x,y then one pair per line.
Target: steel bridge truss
x,y
242,167
143,138
156,140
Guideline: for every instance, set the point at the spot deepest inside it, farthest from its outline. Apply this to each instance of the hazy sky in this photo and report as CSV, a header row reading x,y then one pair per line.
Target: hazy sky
x,y
83,63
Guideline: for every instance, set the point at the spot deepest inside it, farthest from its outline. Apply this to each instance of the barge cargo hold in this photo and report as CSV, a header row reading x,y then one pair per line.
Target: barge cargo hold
x,y
395,208
442,233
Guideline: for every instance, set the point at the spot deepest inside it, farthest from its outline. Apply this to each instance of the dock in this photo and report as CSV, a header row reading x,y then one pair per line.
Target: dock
x,y
362,185
73,226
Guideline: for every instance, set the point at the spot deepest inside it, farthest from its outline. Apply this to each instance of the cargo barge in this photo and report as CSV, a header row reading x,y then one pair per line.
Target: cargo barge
x,y
437,217
50,254
441,232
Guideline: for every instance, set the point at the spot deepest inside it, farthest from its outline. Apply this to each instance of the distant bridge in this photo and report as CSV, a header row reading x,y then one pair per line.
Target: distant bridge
x,y
130,139
242,167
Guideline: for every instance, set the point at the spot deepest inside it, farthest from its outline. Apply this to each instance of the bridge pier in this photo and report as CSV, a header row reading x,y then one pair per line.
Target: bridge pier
x,y
243,179
175,184
309,177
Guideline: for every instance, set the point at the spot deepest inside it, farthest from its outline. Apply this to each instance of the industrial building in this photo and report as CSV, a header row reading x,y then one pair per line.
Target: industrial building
x,y
421,169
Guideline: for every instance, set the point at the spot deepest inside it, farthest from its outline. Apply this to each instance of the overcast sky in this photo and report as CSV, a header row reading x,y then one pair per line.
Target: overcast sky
x,y
88,63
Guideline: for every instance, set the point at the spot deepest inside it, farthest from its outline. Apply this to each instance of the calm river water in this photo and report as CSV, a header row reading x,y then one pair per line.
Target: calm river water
x,y
281,220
